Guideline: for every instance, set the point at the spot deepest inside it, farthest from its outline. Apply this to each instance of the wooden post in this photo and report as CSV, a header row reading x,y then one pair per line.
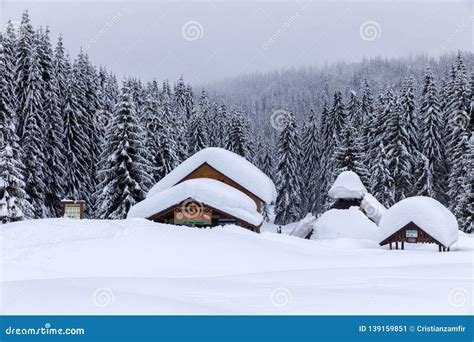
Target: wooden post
x,y
396,244
448,248
390,245
439,248
403,244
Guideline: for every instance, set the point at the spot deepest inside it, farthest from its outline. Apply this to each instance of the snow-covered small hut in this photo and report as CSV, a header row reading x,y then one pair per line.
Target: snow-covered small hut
x,y
212,187
200,202
224,166
347,190
418,220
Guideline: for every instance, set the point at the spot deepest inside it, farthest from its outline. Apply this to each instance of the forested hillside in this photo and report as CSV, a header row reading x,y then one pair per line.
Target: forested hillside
x,y
70,129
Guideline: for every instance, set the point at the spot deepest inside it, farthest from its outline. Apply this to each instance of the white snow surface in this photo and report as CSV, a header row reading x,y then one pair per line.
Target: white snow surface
x,y
237,168
344,223
427,213
135,266
347,185
372,208
205,190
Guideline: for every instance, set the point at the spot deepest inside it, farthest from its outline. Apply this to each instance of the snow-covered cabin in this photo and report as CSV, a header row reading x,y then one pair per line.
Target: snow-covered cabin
x,y
418,220
200,202
224,166
212,187
347,190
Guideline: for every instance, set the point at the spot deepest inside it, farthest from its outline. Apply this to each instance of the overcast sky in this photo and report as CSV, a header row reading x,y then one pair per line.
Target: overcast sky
x,y
211,40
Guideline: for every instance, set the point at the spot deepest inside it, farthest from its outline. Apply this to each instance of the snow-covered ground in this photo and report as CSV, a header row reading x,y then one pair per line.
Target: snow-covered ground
x,y
62,266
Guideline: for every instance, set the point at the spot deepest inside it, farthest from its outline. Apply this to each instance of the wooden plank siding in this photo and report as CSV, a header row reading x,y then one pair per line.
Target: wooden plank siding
x,y
166,216
207,171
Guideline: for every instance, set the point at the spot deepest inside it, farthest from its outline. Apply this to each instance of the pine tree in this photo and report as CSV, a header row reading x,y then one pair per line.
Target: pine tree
x,y
77,172
238,139
382,181
219,131
459,144
311,160
288,202
197,132
124,174
161,143
432,140
24,46
354,112
348,155
14,205
33,134
397,142
54,149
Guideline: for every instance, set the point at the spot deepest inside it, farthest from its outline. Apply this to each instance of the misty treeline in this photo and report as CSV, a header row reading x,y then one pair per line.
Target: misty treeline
x,y
68,130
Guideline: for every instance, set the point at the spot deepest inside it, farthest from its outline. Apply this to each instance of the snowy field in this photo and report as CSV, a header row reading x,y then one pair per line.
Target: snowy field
x,y
61,266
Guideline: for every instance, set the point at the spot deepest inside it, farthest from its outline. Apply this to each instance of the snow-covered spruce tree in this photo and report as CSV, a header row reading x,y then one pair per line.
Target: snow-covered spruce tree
x,y
180,98
377,133
464,210
78,174
354,113
349,155
197,132
54,149
366,103
459,143
219,131
326,151
61,70
14,205
382,181
24,46
432,140
33,139
408,107
124,174
397,141
238,138
160,142
288,202
9,63
310,159
338,116
424,183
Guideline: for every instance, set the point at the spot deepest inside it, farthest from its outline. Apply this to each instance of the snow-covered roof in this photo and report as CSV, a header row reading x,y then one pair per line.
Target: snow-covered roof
x,y
347,185
338,223
427,213
205,190
237,168
372,208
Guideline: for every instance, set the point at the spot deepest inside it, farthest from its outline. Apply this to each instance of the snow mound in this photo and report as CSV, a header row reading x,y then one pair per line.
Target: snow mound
x,y
208,191
427,213
237,168
347,185
372,208
344,223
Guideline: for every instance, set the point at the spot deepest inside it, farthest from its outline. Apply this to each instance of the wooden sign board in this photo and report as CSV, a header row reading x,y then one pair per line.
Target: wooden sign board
x,y
200,216
73,211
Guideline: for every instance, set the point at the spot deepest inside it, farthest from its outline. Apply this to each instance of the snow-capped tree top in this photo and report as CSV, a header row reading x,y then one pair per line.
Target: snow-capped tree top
x,y
237,168
206,191
427,213
347,185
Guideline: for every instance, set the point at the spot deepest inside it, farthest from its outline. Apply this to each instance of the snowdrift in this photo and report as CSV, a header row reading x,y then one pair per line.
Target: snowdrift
x,y
344,223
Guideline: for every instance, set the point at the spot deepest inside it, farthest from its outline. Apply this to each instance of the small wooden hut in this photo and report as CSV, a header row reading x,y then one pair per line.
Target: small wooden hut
x,y
347,190
418,220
